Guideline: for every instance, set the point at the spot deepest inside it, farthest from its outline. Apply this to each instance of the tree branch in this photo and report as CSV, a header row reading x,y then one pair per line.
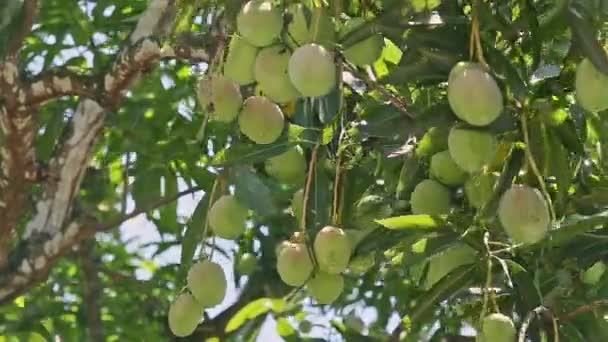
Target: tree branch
x,y
92,290
53,84
32,260
583,309
30,11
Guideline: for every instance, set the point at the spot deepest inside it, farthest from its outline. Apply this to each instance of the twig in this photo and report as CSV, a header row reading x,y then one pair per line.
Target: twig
x,y
488,283
394,99
533,165
584,309
311,171
157,204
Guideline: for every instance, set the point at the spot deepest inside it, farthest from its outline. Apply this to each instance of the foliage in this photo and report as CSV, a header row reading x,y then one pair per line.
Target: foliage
x,y
367,143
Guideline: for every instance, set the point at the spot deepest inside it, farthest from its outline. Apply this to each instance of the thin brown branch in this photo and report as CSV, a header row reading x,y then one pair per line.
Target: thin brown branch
x,y
311,171
30,11
32,260
53,84
395,100
583,309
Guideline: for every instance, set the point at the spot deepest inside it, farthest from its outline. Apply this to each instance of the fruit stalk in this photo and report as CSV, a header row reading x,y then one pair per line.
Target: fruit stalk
x,y
311,171
524,127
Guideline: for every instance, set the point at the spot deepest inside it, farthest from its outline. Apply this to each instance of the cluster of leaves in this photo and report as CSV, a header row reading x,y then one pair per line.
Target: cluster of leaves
x,y
151,149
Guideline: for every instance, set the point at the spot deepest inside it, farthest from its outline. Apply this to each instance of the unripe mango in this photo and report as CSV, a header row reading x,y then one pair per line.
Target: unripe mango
x,y
312,70
260,22
305,327
471,149
247,264
473,94
203,91
325,288
294,264
261,120
226,98
591,87
479,189
361,264
594,274
433,141
184,314
366,51
227,217
240,61
300,29
444,169
354,322
288,167
271,74
497,327
431,198
207,282
332,249
524,214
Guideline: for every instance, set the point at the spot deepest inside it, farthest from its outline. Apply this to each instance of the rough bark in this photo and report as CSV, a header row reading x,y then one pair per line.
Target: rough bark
x,y
92,290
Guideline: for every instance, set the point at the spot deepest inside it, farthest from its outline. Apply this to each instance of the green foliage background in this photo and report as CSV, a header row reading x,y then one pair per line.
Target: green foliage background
x,y
151,148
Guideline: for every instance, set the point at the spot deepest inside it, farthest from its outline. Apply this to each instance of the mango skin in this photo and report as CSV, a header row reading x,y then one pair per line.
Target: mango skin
x,y
332,249
207,282
479,189
240,61
471,149
591,87
226,99
247,264
260,22
270,72
524,215
299,30
227,217
288,167
497,327
184,314
325,288
312,70
366,51
431,198
294,265
445,170
261,120
474,95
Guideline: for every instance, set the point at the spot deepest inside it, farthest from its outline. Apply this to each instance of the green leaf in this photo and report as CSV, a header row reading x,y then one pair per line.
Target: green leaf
x,y
168,213
576,226
445,288
146,187
585,35
252,191
254,309
414,222
243,153
192,236
319,199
